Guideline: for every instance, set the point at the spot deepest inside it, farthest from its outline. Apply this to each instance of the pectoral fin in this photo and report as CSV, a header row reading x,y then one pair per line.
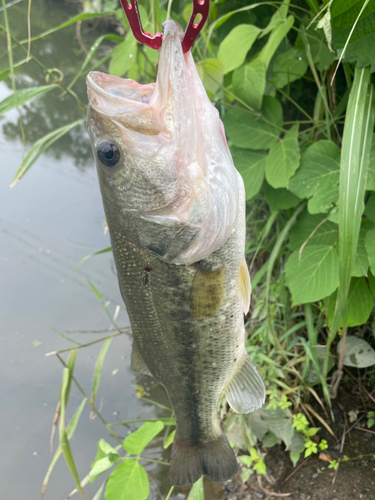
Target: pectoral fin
x,y
245,286
137,364
207,294
246,392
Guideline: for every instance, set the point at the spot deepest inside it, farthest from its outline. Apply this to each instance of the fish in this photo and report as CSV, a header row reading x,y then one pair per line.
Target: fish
x,y
175,209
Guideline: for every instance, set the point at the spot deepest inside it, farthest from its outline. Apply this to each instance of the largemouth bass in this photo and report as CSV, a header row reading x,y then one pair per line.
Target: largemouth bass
x,y
175,208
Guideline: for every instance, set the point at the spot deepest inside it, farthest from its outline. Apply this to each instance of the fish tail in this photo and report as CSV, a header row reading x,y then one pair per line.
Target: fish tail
x,y
215,459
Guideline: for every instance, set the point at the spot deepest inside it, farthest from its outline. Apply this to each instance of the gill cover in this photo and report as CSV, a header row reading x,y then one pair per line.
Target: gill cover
x,y
175,173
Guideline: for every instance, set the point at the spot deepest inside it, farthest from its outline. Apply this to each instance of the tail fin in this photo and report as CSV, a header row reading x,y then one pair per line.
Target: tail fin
x,y
215,459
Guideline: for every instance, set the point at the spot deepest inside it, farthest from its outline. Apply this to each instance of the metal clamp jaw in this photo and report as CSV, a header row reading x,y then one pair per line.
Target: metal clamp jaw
x,y
200,7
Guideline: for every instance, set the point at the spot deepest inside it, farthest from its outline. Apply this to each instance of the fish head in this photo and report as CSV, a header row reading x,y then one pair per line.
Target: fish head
x,y
162,154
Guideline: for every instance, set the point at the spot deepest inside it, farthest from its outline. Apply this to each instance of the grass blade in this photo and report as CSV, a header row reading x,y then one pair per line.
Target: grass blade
x,y
359,124
70,431
40,147
64,441
22,96
98,372
99,252
73,20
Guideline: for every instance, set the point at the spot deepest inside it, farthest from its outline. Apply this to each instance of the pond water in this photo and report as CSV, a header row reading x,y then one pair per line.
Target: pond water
x,y
48,222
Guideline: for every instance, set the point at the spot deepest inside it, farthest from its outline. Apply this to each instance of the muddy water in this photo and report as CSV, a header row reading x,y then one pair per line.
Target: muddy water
x,y
48,223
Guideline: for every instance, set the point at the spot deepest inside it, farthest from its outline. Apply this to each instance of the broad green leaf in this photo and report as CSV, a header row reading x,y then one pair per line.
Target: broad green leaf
x,y
251,165
313,276
371,282
370,184
294,457
102,465
270,440
359,304
370,208
169,440
40,147
283,159
280,199
246,130
137,441
318,176
361,262
281,427
128,482
297,443
233,49
21,97
289,66
274,41
124,56
249,83
370,247
358,352
211,72
344,14
197,491
98,369
278,18
312,228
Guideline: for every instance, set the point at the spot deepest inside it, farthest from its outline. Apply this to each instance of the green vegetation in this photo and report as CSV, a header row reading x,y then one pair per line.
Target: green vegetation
x,y
292,81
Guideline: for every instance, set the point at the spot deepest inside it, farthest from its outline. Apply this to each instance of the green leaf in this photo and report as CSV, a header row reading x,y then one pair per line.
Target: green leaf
x,y
98,369
40,147
370,208
98,296
283,159
281,427
169,440
247,130
370,184
64,441
260,466
289,66
297,443
251,165
98,494
6,73
279,17
358,352
356,146
370,247
128,481
211,72
123,56
361,262
360,304
315,275
318,176
249,83
99,252
233,49
344,14
197,491
21,97
102,465
274,41
270,439
69,431
294,457
312,228
246,460
280,199
137,441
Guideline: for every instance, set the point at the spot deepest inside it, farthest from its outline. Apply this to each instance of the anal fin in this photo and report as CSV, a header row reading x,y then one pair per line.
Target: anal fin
x,y
137,363
246,392
245,286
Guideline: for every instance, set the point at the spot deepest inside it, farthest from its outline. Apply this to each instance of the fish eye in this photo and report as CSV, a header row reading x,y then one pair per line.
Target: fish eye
x,y
108,153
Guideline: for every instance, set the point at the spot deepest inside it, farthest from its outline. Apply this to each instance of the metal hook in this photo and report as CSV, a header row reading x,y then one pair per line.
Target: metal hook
x,y
193,29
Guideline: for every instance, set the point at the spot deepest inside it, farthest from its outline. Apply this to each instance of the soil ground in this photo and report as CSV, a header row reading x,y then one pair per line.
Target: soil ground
x,y
311,479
